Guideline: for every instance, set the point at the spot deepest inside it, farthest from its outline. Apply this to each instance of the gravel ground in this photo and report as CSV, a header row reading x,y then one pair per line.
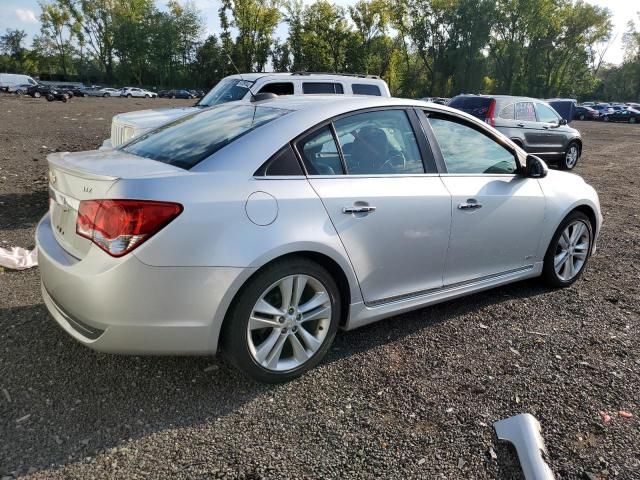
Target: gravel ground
x,y
410,397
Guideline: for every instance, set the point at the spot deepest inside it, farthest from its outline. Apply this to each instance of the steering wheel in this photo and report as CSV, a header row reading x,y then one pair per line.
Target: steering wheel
x,y
395,161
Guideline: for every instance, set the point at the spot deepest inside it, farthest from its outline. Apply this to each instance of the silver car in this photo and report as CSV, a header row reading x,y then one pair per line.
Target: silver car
x,y
262,228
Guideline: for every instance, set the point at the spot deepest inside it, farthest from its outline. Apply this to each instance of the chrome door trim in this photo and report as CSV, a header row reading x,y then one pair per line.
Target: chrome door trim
x,y
450,288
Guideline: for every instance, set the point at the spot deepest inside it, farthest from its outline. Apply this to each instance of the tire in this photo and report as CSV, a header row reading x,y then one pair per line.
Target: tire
x,y
147,96
570,158
581,117
19,93
37,95
50,98
550,274
64,99
632,120
106,95
605,118
291,332
173,97
128,95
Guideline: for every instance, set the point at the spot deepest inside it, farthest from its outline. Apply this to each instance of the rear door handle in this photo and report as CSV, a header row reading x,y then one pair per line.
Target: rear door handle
x,y
470,204
520,125
359,209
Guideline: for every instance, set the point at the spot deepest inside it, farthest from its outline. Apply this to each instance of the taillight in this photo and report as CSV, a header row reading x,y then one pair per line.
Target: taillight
x,y
119,226
491,118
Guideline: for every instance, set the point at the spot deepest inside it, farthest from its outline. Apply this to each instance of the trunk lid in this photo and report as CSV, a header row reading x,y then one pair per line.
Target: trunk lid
x,y
74,177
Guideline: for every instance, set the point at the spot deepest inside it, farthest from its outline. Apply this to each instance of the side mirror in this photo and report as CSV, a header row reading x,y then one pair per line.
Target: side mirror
x,y
563,121
536,168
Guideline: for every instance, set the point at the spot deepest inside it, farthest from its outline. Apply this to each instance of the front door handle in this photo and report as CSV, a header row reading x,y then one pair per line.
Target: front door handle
x,y
520,125
470,204
359,209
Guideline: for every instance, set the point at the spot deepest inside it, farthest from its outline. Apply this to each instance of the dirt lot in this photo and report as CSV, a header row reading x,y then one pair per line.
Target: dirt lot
x,y
410,397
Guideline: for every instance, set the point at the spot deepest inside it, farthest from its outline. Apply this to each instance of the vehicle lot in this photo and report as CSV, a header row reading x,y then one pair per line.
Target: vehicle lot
x,y
412,396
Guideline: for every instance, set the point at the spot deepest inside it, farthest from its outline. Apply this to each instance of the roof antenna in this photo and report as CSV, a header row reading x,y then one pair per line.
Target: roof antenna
x,y
254,97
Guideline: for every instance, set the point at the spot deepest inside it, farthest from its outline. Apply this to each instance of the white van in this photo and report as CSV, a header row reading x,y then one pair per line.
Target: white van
x,y
8,81
245,87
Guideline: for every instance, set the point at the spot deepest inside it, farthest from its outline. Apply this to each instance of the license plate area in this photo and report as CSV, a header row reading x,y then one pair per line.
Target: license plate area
x,y
64,211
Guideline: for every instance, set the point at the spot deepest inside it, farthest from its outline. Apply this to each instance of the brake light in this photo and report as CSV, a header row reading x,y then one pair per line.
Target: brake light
x,y
491,119
119,226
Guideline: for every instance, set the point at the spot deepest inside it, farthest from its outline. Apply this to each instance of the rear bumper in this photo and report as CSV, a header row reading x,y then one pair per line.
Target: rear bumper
x,y
125,306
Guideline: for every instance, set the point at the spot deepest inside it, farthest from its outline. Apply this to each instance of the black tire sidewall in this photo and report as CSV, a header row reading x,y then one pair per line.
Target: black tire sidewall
x,y
549,274
234,332
562,163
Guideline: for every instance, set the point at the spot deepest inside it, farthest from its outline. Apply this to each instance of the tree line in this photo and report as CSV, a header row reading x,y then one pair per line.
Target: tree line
x,y
541,48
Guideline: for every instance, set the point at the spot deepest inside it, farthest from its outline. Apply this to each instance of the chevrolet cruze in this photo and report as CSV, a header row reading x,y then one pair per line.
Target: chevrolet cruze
x,y
261,228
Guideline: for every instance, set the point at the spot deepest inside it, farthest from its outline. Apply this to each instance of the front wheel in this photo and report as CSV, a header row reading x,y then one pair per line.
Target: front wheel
x,y
37,95
581,117
50,98
568,251
632,120
106,95
570,158
283,322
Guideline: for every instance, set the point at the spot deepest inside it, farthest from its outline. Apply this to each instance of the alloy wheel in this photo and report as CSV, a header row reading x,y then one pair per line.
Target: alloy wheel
x,y
289,323
572,250
572,156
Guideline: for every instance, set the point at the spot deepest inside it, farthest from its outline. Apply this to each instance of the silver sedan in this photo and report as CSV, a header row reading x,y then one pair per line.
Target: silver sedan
x,y
260,229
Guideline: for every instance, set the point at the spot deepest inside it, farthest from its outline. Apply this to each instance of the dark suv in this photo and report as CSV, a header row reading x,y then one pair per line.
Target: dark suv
x,y
532,124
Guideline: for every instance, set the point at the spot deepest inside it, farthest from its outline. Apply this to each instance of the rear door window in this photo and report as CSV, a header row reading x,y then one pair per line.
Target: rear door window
x,y
476,106
525,111
189,140
379,143
320,154
365,89
322,88
508,112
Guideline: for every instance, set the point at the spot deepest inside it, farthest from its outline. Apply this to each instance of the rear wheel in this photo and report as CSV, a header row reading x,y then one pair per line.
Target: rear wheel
x,y
283,322
106,95
64,99
50,98
570,158
37,95
128,95
581,117
568,251
632,120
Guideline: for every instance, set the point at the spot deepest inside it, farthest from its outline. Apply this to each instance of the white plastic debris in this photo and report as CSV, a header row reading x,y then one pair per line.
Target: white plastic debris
x,y
18,258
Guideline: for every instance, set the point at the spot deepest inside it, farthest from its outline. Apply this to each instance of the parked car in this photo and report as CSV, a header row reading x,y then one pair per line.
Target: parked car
x,y
109,92
8,81
185,94
244,88
338,241
38,90
531,123
628,115
93,91
585,113
602,108
21,89
137,92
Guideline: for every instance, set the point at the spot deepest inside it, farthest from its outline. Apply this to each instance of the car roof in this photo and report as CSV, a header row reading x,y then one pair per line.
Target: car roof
x,y
306,112
304,75
502,97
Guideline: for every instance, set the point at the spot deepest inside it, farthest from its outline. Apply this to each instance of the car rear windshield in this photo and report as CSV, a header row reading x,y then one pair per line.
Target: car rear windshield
x,y
476,106
189,140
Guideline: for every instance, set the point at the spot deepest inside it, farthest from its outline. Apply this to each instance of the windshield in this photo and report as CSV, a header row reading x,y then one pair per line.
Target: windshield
x,y
189,140
227,90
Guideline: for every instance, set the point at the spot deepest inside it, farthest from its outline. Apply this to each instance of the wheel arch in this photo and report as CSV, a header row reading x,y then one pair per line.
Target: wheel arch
x,y
330,264
590,213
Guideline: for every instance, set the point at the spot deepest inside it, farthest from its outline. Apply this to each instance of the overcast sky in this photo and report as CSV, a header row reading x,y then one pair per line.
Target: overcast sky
x,y
23,14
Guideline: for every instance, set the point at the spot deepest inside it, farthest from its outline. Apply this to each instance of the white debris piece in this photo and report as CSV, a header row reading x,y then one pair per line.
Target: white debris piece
x,y
18,258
